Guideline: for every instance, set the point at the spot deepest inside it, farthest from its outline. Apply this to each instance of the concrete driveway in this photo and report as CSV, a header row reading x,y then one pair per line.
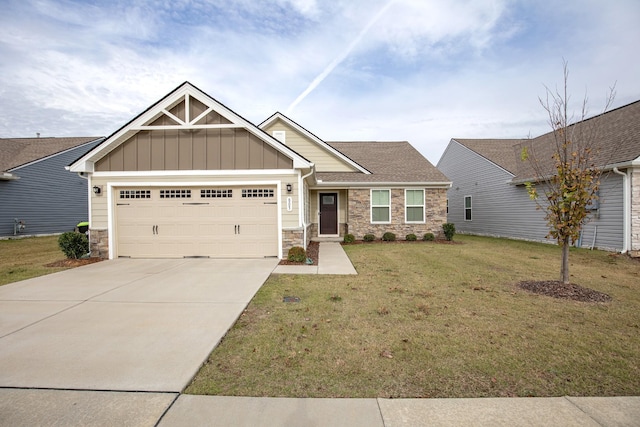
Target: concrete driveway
x,y
122,325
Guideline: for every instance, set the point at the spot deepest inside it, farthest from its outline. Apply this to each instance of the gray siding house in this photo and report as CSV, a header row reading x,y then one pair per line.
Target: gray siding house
x,y
35,189
488,196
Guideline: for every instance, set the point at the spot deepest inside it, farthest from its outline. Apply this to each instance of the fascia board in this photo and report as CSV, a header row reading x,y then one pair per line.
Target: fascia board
x,y
382,184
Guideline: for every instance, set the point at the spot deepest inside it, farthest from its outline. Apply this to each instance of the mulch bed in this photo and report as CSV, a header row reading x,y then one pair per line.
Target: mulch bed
x,y
313,252
74,262
557,289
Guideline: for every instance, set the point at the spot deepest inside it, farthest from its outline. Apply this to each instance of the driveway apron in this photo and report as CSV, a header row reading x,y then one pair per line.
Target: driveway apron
x,y
122,325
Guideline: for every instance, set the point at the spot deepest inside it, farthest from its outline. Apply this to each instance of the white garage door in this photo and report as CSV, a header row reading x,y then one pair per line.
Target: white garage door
x,y
231,222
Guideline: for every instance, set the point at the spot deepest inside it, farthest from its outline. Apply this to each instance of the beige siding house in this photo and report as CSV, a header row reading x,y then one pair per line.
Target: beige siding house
x,y
191,178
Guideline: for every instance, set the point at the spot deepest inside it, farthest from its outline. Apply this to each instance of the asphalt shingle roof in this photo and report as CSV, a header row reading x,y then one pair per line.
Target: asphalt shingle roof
x,y
498,151
16,152
388,162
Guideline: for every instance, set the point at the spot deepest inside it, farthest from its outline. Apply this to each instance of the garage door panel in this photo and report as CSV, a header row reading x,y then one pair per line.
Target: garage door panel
x,y
224,227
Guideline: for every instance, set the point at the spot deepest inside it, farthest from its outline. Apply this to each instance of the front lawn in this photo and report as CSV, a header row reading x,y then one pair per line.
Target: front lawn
x,y
25,258
436,320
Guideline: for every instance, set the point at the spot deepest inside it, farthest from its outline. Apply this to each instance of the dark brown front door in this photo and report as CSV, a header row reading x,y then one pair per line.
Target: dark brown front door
x,y
328,213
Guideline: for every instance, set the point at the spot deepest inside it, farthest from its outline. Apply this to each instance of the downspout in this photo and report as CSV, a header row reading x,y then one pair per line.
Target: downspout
x,y
81,175
626,209
304,211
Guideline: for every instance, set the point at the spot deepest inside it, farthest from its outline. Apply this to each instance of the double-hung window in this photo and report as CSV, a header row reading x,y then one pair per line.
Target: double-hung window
x,y
467,208
414,206
381,206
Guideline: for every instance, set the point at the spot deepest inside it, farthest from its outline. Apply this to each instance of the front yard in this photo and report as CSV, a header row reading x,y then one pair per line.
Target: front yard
x,y
436,320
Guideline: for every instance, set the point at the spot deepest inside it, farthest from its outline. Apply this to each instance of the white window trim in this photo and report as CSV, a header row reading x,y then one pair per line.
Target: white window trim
x,y
414,206
464,207
378,206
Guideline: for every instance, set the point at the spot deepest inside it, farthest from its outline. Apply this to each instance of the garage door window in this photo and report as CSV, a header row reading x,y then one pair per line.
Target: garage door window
x,y
257,192
216,194
175,194
135,194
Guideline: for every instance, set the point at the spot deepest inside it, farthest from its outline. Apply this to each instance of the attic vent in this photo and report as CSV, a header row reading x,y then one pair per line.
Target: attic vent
x,y
280,135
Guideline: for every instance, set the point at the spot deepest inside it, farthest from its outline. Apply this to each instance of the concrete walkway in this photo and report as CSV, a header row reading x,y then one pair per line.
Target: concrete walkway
x,y
333,260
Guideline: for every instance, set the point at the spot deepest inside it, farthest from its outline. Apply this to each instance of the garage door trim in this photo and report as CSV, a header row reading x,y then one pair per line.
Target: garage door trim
x,y
112,187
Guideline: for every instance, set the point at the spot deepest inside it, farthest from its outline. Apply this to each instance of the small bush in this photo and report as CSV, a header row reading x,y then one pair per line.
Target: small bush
x,y
389,237
349,238
411,237
449,230
428,237
74,245
369,238
297,254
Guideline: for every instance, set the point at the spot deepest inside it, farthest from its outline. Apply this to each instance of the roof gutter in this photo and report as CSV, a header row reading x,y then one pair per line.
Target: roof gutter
x,y
6,176
385,184
626,208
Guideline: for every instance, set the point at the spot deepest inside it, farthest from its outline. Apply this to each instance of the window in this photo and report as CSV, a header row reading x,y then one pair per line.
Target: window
x,y
135,194
381,206
467,208
216,194
414,205
175,194
257,192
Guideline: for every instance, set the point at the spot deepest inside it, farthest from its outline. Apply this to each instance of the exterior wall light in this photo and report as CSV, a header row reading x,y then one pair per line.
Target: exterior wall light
x,y
96,190
289,188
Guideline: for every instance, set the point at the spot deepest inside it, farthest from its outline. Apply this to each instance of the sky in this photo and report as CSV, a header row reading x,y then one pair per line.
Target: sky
x,y
389,70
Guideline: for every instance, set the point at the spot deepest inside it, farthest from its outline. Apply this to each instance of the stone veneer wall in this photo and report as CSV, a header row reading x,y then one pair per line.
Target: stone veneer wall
x,y
99,243
360,220
291,238
635,212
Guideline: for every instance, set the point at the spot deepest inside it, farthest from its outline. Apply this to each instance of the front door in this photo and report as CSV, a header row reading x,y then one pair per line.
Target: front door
x,y
329,213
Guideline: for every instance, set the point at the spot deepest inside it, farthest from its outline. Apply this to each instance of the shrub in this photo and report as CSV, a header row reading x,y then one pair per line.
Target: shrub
x,y
449,230
389,237
411,237
349,238
74,245
428,237
297,254
369,238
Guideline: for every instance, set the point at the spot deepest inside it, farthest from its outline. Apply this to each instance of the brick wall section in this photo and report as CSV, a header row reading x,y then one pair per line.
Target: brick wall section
x,y
99,243
635,212
360,220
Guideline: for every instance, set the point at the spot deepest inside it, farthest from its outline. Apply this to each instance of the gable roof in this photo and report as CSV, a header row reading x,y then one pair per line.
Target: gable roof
x,y
160,112
497,151
617,133
389,163
18,152
309,135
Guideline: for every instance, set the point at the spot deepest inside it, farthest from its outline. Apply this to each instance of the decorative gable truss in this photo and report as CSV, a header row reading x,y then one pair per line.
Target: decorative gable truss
x,y
189,130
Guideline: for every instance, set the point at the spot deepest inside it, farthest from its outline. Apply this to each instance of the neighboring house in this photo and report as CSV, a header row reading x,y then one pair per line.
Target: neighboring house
x,y
189,177
488,196
37,195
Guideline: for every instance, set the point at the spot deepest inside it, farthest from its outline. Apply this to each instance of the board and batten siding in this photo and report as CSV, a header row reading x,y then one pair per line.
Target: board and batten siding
x,y
502,209
203,149
323,159
47,197
290,219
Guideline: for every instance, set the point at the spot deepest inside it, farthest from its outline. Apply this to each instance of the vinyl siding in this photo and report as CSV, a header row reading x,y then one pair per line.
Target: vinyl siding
x,y
505,210
47,197
323,159
290,219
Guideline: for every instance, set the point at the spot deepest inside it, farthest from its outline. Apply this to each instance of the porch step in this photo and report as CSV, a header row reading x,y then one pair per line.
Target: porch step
x,y
327,239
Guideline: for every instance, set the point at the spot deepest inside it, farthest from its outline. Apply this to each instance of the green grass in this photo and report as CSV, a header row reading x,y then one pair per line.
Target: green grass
x,y
22,259
436,320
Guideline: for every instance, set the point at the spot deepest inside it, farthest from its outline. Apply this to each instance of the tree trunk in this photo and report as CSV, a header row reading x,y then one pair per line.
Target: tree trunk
x,y
564,270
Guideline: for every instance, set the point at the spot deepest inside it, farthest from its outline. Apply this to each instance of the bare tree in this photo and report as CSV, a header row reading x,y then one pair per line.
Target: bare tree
x,y
566,169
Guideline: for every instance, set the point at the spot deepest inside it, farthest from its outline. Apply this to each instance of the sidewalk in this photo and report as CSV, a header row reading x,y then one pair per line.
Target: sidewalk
x,y
333,260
